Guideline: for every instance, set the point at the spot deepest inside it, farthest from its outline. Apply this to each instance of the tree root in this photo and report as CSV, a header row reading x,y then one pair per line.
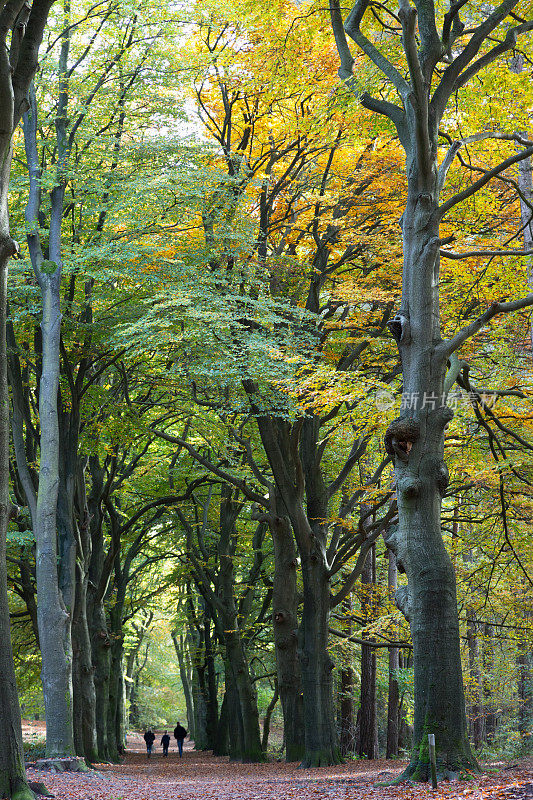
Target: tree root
x,y
327,757
40,789
21,791
420,772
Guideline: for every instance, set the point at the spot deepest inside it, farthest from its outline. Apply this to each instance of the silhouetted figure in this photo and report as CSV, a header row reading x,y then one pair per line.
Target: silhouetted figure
x,y
149,738
179,734
165,741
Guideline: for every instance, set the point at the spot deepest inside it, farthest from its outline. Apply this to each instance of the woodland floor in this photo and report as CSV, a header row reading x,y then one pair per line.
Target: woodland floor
x,y
200,776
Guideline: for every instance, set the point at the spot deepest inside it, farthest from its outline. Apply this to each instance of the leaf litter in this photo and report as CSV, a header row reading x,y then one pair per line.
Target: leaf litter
x,y
201,776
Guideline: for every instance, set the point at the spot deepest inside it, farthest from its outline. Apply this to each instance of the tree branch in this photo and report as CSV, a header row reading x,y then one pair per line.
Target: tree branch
x,y
450,345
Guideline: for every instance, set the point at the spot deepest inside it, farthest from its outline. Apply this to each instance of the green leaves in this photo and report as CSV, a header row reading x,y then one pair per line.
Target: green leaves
x,y
49,267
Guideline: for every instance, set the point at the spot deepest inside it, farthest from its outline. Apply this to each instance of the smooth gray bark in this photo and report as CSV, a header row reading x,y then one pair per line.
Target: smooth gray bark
x,y
179,646
85,739
12,771
346,705
393,701
232,633
285,625
477,716
368,723
53,615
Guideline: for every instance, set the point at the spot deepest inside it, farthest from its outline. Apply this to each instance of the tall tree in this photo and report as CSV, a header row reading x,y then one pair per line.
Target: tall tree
x,y
18,63
430,67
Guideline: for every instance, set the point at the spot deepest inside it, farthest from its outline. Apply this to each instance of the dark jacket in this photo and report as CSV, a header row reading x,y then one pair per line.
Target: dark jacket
x,y
179,732
165,740
149,737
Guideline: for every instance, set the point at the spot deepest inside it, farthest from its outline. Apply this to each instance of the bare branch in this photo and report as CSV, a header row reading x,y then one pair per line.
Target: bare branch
x,y
450,345
477,185
240,483
488,253
351,26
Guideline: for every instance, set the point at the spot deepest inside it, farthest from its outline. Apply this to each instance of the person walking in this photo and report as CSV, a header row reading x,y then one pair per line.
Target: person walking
x,y
179,734
149,738
165,741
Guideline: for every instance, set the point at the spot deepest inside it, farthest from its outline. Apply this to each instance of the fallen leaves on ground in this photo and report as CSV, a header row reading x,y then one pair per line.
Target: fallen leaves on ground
x,y
200,776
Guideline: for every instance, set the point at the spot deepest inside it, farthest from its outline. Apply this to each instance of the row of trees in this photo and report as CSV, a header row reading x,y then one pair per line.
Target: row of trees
x,y
203,342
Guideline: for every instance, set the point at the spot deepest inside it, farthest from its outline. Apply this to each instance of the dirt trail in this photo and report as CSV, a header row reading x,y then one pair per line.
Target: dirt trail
x,y
200,776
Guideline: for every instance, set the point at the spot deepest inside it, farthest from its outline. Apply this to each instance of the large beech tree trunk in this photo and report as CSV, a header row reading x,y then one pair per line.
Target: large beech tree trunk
x,y
368,723
252,750
53,617
346,707
285,624
55,594
417,442
12,772
321,746
298,480
179,646
85,738
393,703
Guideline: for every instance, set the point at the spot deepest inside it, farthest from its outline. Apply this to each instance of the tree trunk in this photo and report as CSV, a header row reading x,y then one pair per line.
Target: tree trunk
x,y
247,700
416,441
221,740
346,695
235,731
476,681
268,717
54,609
393,703
200,708
368,730
285,624
12,772
232,633
54,618
101,662
14,84
179,645
347,715
211,687
321,746
84,692
95,610
115,710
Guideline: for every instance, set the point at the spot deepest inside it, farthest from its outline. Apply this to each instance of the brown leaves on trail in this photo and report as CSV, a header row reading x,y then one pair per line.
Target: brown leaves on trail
x,y
200,776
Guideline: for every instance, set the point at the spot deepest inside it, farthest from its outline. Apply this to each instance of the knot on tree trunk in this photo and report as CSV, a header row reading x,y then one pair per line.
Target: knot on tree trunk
x,y
329,666
400,328
439,472
409,486
403,602
8,247
442,416
400,437
392,541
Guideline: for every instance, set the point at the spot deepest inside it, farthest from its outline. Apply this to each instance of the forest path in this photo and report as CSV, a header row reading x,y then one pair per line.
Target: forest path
x,y
200,776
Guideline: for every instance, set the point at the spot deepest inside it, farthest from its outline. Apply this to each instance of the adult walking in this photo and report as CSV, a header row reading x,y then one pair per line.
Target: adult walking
x,y
149,738
165,741
179,734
